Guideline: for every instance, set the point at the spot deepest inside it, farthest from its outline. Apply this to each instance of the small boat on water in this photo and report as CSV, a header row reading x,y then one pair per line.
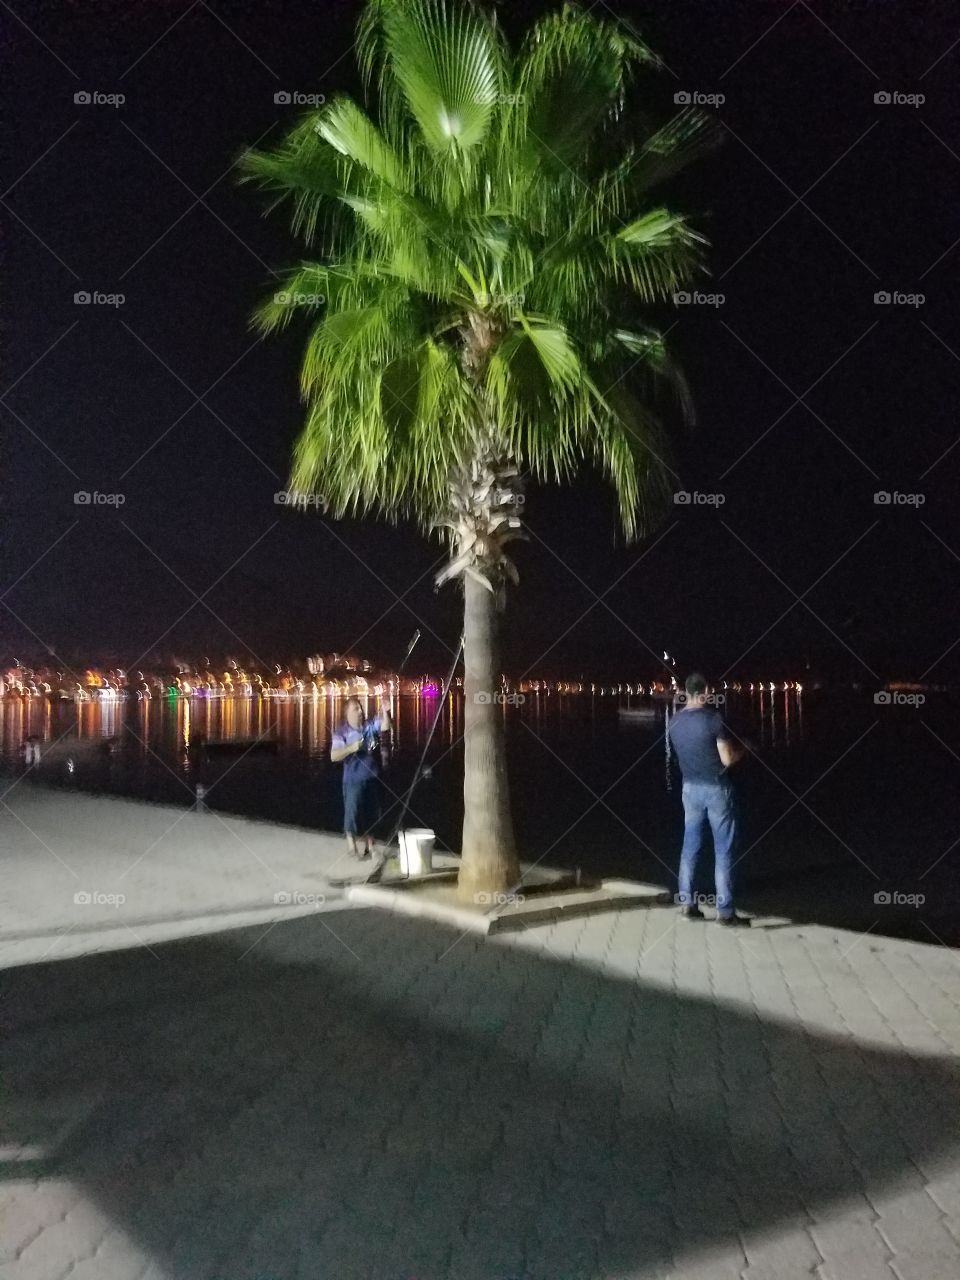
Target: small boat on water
x,y
642,715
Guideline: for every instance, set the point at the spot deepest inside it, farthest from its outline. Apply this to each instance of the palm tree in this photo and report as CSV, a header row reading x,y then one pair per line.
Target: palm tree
x,y
485,240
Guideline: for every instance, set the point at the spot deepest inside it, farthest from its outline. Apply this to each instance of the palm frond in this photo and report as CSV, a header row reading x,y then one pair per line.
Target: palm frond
x,y
306,288
442,63
673,146
303,169
488,254
353,134
572,75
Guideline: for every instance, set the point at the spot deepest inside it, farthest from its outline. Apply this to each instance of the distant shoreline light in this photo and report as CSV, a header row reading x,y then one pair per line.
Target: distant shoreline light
x,y
117,685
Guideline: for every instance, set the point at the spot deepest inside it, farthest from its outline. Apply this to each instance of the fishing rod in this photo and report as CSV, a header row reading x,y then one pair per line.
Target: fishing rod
x,y
376,875
410,648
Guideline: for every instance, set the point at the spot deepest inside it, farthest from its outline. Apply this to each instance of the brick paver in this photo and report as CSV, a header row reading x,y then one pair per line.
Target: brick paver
x,y
361,1096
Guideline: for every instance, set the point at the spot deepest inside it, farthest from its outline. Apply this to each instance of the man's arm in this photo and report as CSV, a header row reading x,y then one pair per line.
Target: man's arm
x,y
729,746
340,753
730,750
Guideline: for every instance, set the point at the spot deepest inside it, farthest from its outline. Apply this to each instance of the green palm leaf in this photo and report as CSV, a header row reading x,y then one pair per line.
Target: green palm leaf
x,y
487,258
446,62
353,134
673,146
573,75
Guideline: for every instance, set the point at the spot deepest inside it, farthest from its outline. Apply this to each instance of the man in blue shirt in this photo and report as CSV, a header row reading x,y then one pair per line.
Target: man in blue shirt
x,y
357,744
706,750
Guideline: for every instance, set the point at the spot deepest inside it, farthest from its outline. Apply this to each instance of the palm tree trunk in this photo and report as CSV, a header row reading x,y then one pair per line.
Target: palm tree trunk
x,y
489,852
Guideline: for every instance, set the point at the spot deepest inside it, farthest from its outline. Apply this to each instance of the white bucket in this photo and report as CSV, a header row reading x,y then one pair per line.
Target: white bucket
x,y
416,851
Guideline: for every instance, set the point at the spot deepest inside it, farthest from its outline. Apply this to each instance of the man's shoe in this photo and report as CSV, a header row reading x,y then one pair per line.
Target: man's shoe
x,y
691,913
735,922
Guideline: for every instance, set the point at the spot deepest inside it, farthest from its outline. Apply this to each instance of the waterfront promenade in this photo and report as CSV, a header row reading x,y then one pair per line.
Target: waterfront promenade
x,y
355,1095
85,873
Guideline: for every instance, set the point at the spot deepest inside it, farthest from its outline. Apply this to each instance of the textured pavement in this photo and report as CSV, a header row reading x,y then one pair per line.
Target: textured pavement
x,y
82,873
354,1095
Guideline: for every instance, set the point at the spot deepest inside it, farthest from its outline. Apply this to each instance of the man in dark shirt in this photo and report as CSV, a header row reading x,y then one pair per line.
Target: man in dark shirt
x,y
706,749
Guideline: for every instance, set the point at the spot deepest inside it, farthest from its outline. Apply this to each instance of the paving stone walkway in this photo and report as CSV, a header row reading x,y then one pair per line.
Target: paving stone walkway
x,y
360,1096
81,873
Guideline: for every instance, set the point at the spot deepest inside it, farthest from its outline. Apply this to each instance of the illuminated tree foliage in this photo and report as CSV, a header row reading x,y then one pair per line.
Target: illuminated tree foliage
x,y
483,242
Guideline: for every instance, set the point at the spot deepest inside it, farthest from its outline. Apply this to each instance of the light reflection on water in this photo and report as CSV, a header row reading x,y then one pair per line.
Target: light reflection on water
x,y
308,722
166,729
173,725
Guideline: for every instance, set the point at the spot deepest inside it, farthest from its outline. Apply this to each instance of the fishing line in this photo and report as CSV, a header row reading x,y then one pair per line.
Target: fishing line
x,y
377,873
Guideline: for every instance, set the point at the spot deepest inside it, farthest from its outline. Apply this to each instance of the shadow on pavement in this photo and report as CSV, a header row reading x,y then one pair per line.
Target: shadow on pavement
x,y
388,1102
917,910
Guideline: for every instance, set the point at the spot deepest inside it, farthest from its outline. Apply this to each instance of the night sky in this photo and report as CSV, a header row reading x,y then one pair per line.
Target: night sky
x,y
819,198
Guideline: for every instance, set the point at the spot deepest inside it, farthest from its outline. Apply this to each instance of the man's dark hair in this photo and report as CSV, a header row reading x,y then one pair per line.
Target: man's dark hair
x,y
695,684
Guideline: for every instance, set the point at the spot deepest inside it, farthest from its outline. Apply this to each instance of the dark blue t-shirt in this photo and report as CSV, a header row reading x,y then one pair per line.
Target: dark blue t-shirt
x,y
693,735
366,763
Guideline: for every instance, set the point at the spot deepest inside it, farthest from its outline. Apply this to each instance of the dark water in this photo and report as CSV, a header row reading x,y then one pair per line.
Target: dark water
x,y
844,799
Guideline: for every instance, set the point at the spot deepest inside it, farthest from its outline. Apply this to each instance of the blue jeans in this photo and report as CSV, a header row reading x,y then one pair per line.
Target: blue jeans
x,y
714,802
